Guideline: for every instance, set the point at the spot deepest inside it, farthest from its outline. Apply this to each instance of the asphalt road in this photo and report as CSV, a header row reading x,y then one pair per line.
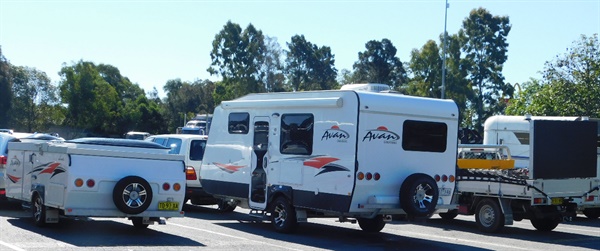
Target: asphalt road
x,y
205,228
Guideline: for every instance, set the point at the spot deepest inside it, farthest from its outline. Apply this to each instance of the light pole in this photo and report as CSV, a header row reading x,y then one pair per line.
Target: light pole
x,y
444,52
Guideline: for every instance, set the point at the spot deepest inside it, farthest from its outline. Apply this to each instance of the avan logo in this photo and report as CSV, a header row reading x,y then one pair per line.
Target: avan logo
x,y
335,133
381,133
15,161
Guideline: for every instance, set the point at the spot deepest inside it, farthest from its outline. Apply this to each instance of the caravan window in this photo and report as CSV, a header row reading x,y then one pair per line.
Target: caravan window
x,y
523,137
424,136
296,134
239,122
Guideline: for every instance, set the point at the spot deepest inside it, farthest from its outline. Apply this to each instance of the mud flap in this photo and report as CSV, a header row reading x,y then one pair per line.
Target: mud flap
x,y
507,211
51,215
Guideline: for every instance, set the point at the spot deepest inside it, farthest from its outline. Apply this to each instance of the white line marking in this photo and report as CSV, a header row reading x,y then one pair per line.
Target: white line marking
x,y
235,237
454,240
11,246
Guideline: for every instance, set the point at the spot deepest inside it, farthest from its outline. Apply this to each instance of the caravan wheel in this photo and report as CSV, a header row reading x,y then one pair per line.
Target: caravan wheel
x,y
138,222
545,224
38,210
419,195
132,195
225,207
283,216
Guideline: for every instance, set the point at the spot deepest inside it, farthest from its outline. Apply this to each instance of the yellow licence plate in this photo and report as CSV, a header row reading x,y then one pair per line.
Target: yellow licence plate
x,y
168,206
557,201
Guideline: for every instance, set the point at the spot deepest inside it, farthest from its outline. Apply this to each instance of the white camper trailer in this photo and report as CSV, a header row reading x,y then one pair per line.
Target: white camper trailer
x,y
95,177
358,156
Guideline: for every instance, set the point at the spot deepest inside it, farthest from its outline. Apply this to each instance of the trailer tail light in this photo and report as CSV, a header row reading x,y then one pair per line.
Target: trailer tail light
x,y
452,178
78,182
589,198
376,176
90,183
539,201
190,173
176,187
3,160
444,178
360,176
166,186
369,176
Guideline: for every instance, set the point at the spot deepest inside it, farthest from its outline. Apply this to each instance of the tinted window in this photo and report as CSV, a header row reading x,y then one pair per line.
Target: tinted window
x,y
296,134
424,136
197,149
238,123
523,137
160,141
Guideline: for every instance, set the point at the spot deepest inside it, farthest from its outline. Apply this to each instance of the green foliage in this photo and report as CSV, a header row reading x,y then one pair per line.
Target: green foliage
x,y
484,44
379,64
310,67
426,68
34,95
570,85
238,56
5,91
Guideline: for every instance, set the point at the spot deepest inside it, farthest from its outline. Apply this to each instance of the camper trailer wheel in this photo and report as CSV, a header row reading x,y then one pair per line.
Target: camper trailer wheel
x,y
371,225
225,207
283,216
138,222
38,211
419,195
592,213
132,195
488,216
545,224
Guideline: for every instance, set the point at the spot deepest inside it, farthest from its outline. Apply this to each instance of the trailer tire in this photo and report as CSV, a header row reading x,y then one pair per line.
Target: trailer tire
x,y
138,222
419,195
545,224
38,210
451,214
488,216
592,213
283,216
371,225
132,195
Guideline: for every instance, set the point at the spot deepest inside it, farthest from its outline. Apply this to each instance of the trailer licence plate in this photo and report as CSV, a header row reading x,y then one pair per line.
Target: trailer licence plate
x,y
444,191
168,206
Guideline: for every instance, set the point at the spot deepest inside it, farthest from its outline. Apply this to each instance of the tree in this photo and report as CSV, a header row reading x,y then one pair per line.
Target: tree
x,y
426,66
310,67
5,91
570,84
185,100
485,50
272,67
238,57
379,64
33,91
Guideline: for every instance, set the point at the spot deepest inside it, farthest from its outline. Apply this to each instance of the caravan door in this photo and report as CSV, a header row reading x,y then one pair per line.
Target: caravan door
x,y
258,180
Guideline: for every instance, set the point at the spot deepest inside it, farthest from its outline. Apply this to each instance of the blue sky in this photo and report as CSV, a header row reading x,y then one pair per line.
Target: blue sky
x,y
153,41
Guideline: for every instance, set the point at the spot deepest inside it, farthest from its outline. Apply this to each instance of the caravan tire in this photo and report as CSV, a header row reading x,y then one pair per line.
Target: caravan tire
x,y
283,216
451,214
225,207
419,195
591,213
371,225
138,222
38,211
132,195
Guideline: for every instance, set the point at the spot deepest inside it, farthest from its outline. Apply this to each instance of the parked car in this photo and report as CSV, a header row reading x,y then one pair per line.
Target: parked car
x,y
192,147
7,136
137,135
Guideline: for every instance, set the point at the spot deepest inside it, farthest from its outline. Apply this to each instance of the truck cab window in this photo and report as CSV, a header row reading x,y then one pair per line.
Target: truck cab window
x,y
296,134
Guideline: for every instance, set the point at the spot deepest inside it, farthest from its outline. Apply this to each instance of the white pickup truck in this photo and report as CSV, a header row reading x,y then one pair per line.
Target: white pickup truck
x,y
96,177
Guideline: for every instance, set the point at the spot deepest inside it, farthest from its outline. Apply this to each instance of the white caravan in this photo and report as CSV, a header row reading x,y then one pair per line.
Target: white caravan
x,y
95,177
513,132
358,156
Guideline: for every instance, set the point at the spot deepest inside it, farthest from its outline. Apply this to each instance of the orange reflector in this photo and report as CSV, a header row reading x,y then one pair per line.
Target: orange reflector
x,y
78,182
360,176
176,187
452,178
